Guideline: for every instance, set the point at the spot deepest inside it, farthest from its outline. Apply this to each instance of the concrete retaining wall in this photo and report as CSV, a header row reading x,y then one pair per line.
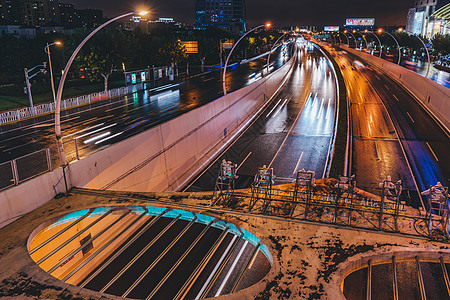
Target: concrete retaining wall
x,y
163,158
433,96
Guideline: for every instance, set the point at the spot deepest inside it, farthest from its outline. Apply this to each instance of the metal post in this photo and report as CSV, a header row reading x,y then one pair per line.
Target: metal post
x,y
395,282
15,172
27,79
444,271
271,49
382,205
49,159
51,71
369,280
421,284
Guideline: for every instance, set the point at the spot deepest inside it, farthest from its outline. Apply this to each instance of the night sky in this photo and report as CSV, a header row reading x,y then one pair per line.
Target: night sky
x,y
279,12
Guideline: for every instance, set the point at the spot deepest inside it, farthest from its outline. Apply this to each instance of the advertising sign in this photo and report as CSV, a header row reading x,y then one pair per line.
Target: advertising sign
x,y
418,22
360,22
191,47
331,28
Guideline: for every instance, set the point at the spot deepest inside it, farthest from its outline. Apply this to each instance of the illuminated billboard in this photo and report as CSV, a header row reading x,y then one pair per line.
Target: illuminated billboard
x,y
418,22
369,22
331,28
191,47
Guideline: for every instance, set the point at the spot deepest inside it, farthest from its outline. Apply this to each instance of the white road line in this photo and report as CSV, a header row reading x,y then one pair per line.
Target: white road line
x,y
320,109
410,117
216,267
298,162
287,135
387,87
231,269
429,147
86,129
274,107
276,113
244,161
396,98
95,131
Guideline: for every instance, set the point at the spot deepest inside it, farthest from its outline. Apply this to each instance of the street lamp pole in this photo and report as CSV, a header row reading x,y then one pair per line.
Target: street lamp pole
x,y
231,52
271,49
398,46
47,50
348,42
354,39
363,38
377,39
428,54
59,144
28,77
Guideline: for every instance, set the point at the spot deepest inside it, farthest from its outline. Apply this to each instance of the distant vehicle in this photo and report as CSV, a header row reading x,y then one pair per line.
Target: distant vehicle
x,y
343,66
353,68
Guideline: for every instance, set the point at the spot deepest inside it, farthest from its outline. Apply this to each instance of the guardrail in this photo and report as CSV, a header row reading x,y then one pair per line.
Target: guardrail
x,y
47,108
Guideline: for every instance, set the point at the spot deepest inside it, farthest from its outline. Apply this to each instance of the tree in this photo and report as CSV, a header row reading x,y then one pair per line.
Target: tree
x,y
441,44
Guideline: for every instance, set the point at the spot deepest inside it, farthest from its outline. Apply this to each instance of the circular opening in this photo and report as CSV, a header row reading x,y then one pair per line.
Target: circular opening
x,y
147,252
399,279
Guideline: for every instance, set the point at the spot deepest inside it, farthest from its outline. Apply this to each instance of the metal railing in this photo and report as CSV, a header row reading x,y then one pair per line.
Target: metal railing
x,y
47,108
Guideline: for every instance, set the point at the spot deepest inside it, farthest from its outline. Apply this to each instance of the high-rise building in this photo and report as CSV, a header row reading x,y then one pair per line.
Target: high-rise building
x,y
89,18
67,15
226,14
9,12
419,15
39,12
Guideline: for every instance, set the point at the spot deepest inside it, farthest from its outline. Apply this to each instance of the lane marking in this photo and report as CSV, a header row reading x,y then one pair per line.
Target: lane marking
x,y
274,107
410,117
298,162
231,269
387,87
244,161
216,267
281,107
396,98
287,135
429,147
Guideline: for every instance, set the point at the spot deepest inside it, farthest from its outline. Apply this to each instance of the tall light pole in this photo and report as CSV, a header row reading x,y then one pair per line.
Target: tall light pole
x,y
28,77
379,42
271,49
428,53
398,46
354,31
47,50
59,144
353,38
231,52
344,33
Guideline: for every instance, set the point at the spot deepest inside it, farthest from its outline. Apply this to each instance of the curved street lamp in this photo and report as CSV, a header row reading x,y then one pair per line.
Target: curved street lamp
x,y
398,46
271,49
354,31
371,32
428,53
229,55
348,42
47,50
356,45
59,144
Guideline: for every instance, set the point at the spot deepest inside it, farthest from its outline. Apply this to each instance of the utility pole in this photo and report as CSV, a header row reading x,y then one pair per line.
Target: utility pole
x,y
28,77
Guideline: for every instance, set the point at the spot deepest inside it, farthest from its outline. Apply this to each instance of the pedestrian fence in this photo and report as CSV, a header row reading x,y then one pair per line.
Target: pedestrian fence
x,y
47,108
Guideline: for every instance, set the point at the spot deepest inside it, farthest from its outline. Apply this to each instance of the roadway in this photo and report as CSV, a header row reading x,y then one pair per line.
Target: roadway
x,y
392,134
293,133
103,123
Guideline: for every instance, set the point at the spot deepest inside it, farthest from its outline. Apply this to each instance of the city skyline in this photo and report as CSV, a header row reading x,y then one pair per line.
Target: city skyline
x,y
280,13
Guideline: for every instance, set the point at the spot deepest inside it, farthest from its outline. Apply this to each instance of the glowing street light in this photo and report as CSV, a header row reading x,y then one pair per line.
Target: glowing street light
x,y
231,52
47,50
398,46
59,143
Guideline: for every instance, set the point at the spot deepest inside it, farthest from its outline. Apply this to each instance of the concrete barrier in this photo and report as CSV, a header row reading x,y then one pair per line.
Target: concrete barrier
x,y
434,97
163,158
